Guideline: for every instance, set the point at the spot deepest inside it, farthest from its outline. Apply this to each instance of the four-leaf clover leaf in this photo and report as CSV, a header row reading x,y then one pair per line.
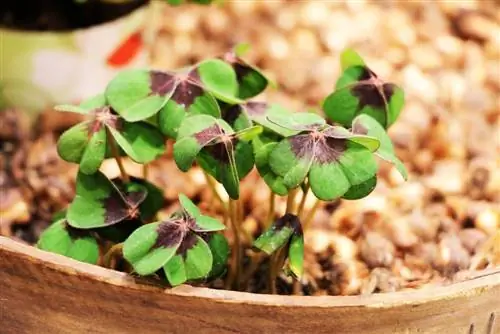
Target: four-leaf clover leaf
x,y
332,158
86,143
176,245
360,91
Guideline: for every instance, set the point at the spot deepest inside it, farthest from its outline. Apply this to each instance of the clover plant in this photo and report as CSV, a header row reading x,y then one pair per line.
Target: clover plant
x,y
211,113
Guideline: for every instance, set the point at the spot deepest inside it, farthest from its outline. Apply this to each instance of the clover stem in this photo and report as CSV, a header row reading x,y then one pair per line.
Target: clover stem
x,y
303,200
235,269
290,201
116,155
270,214
274,262
145,171
211,184
110,253
311,214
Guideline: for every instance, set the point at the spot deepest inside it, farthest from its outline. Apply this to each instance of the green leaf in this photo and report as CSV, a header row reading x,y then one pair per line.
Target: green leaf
x,y
194,262
219,79
220,252
274,181
299,121
200,223
360,91
261,113
364,124
73,142
139,94
278,234
361,190
61,239
94,102
332,162
328,181
175,270
195,133
216,148
273,239
151,246
228,163
85,106
249,133
188,99
350,58
100,203
296,255
95,152
141,141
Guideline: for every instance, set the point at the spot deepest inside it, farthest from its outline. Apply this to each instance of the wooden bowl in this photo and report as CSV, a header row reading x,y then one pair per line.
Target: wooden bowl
x,y
46,293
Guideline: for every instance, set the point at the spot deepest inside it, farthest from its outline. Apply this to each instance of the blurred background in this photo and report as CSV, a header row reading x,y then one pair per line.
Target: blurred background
x,y
444,54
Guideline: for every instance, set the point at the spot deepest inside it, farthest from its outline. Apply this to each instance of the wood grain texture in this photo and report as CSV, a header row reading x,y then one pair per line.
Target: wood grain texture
x,y
46,293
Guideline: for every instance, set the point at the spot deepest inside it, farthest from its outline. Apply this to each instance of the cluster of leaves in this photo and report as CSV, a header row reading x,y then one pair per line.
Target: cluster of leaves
x,y
205,109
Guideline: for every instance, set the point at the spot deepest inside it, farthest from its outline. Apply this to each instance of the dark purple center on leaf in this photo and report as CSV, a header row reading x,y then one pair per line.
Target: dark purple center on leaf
x,y
208,134
220,150
162,83
102,116
371,91
194,77
255,108
241,70
186,93
115,209
187,243
170,234
316,146
231,114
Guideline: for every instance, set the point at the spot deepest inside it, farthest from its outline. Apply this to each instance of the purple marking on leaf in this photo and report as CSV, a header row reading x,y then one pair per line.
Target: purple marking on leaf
x,y
255,108
208,134
287,220
134,199
329,150
231,114
302,146
170,234
241,69
368,95
162,83
366,74
115,209
188,242
194,77
359,128
371,91
324,149
219,151
186,92
94,127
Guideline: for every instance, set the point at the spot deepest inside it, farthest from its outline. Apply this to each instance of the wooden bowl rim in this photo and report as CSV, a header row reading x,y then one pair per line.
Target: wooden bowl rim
x,y
479,284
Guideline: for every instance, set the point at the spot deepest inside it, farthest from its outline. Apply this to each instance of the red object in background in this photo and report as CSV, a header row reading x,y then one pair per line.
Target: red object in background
x,y
126,51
